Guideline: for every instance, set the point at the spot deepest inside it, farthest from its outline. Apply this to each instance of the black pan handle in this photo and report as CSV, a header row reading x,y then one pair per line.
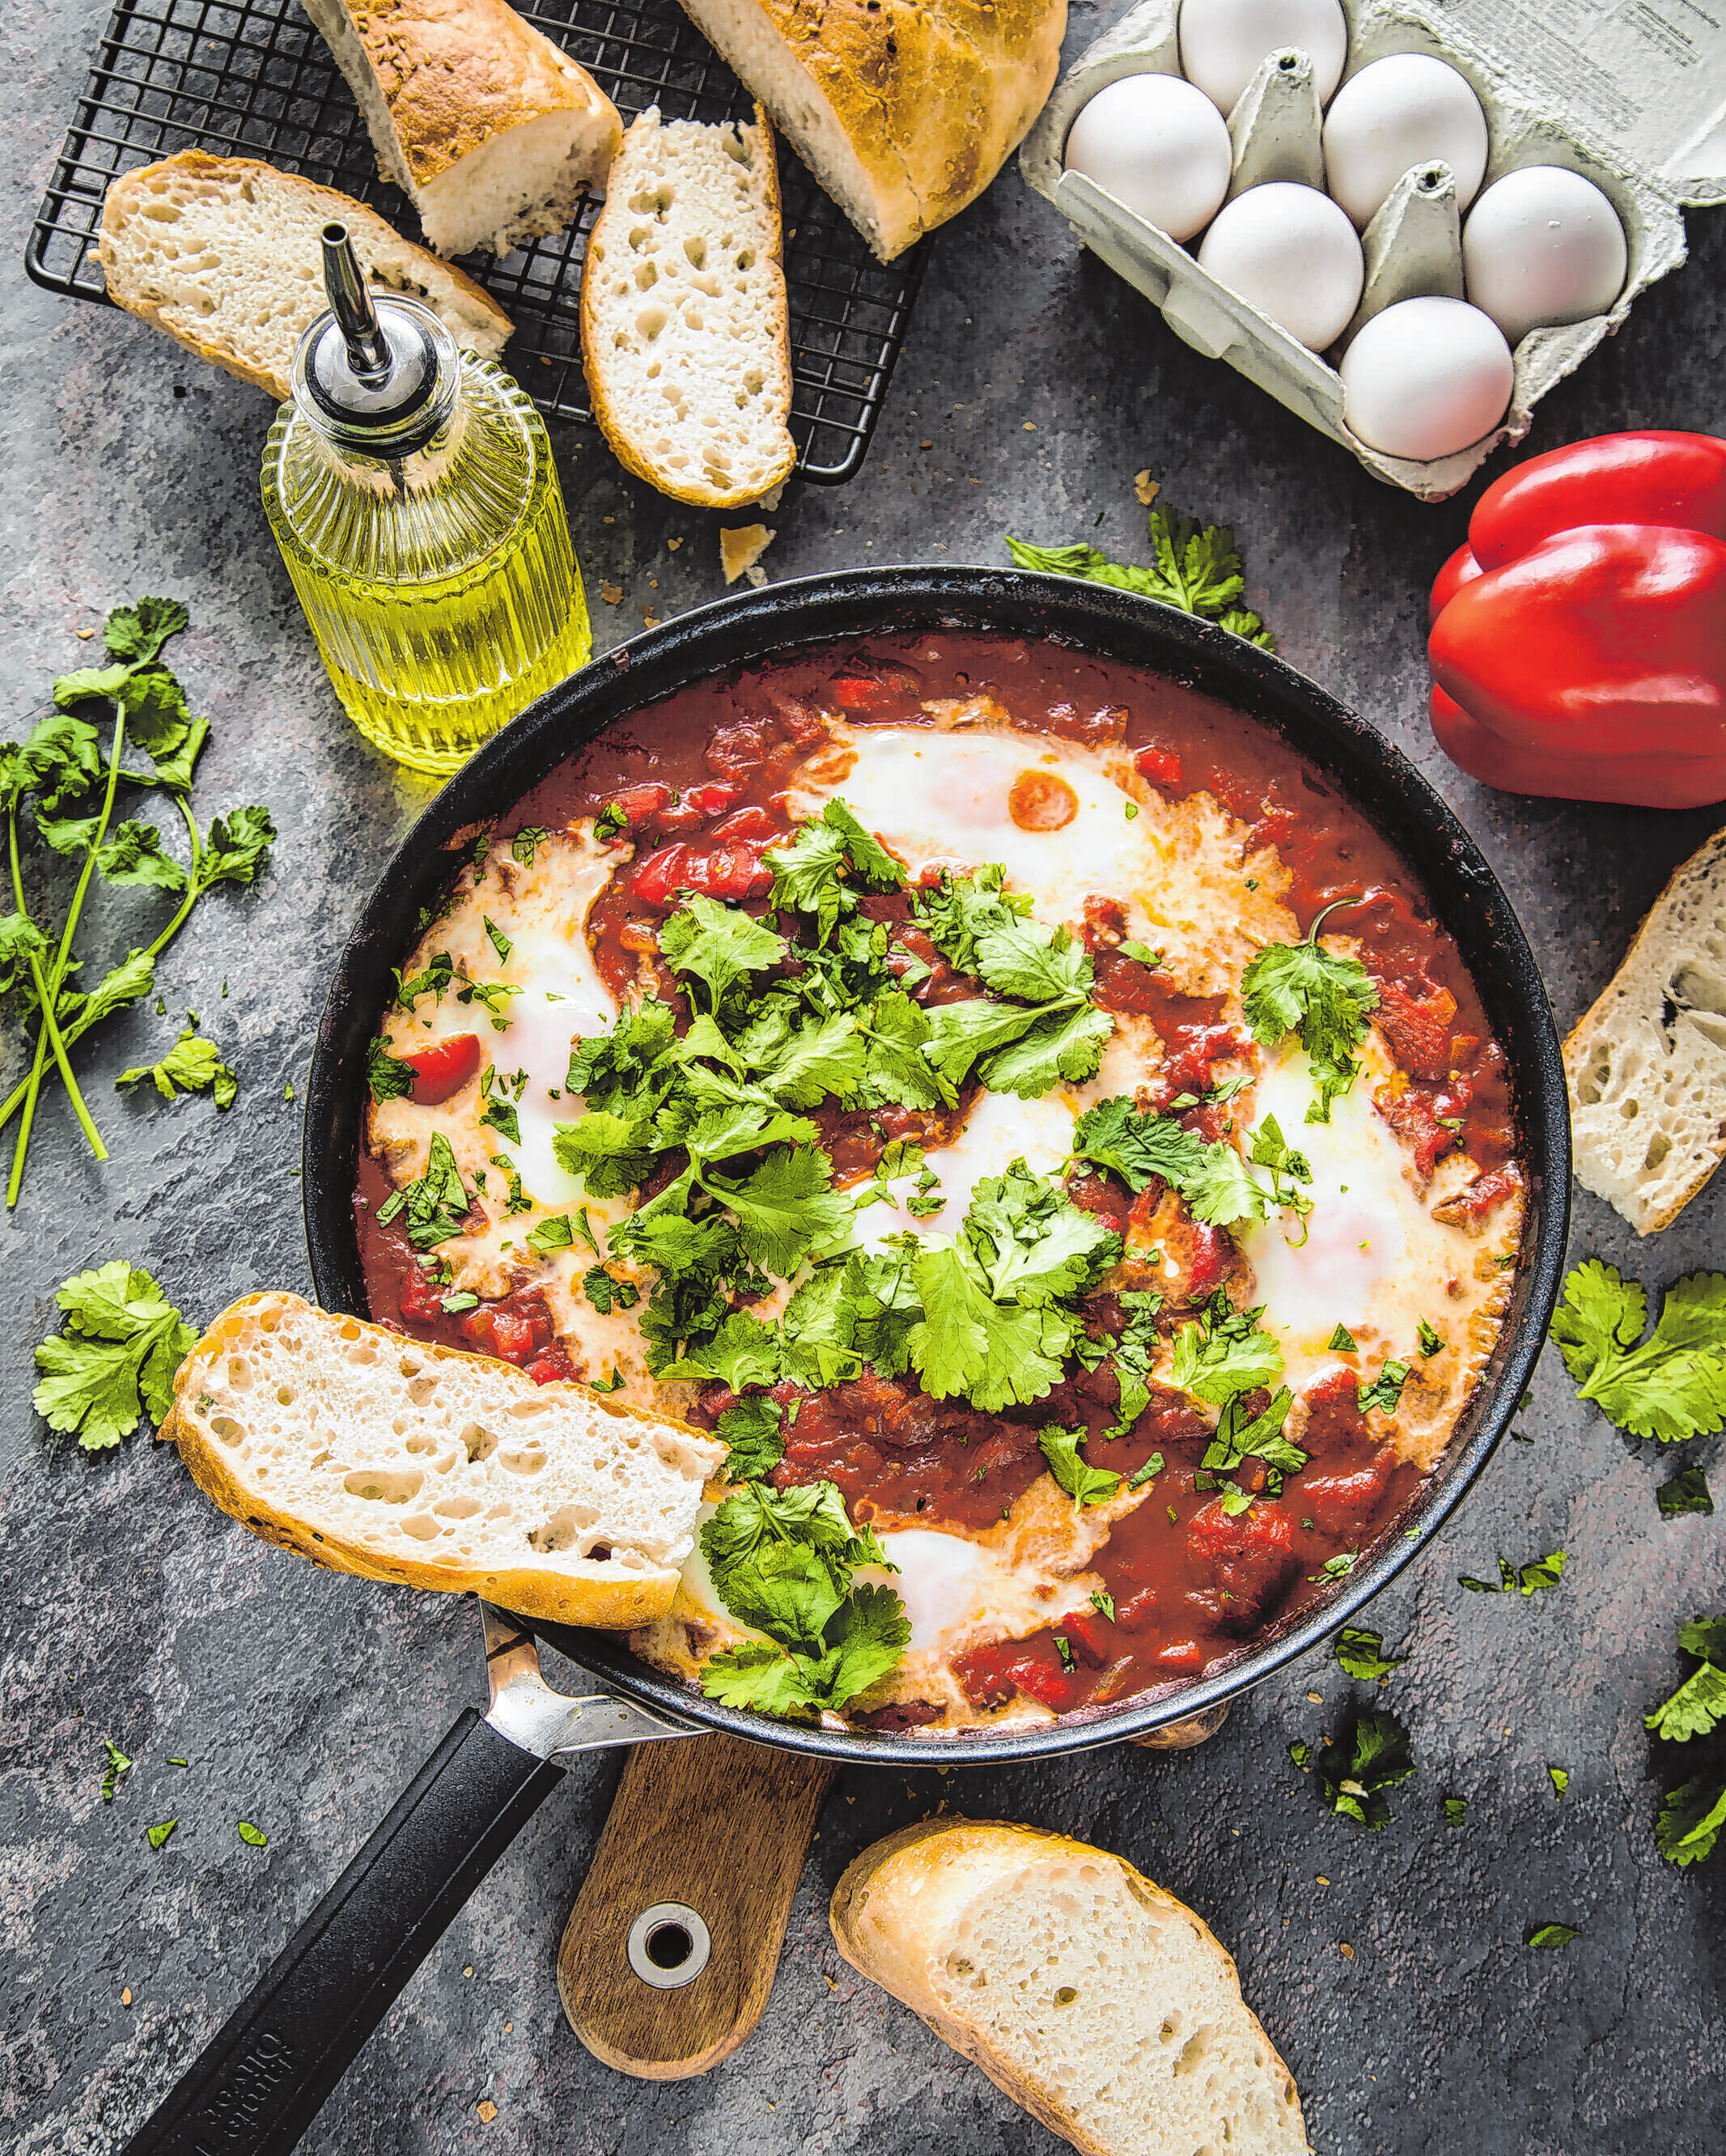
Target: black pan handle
x,y
258,2084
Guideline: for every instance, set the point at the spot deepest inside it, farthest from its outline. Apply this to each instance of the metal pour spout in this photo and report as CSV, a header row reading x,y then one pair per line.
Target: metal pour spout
x,y
368,349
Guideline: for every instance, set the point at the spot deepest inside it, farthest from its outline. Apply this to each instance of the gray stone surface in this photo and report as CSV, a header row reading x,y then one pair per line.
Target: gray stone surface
x,y
1033,386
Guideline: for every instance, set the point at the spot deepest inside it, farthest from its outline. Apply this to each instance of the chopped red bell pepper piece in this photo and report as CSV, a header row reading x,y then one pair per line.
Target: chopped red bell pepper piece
x,y
444,1068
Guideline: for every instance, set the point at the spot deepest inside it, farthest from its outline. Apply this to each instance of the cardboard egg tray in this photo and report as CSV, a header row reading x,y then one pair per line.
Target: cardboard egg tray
x,y
1634,99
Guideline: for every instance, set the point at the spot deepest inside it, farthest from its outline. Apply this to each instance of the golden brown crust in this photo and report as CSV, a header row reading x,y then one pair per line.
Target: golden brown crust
x,y
454,73
371,235
614,1605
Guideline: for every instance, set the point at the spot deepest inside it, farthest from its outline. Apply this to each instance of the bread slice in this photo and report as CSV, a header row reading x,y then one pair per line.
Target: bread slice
x,y
491,130
373,1454
1646,1064
684,330
223,254
904,110
1096,2000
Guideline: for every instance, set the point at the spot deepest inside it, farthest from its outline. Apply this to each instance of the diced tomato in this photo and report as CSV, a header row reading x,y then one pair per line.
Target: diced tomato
x,y
1477,1199
422,1297
1418,1028
734,752
551,1365
1414,1114
711,797
635,804
991,1675
728,872
444,1068
661,874
505,1333
1251,1555
1161,767
1342,1505
1092,1637
851,693
746,824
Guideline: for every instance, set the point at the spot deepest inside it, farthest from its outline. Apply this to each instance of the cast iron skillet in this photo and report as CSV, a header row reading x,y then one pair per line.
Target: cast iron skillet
x,y
260,2081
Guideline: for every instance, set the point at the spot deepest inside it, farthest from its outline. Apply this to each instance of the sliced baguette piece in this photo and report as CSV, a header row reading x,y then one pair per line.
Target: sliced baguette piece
x,y
685,333
1646,1064
223,254
373,1454
904,110
491,130
1097,2002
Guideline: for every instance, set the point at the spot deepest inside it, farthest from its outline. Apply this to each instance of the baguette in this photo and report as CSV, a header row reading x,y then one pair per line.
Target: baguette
x,y
1094,1999
904,110
373,1454
1647,1065
685,334
491,130
223,254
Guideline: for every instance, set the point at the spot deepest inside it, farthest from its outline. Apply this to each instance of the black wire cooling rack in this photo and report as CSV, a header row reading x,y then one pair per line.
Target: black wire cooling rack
x,y
253,78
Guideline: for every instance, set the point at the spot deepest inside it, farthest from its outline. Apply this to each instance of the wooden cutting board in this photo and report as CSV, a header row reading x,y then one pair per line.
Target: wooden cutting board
x,y
706,1835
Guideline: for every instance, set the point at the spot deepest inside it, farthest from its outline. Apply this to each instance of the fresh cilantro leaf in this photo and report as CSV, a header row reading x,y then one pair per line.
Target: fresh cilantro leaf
x,y
1705,1637
1141,1147
785,1207
752,1428
495,937
865,1639
191,1065
1550,1935
86,684
526,842
129,982
1303,989
1342,1340
1354,1771
1386,1390
253,1837
1542,1572
762,1675
1670,1387
1693,1709
237,848
819,1057
118,1764
1691,1819
20,941
719,945
60,761
137,633
1361,1655
1067,1044
388,1076
1560,1779
1224,1352
1197,569
818,1329
896,1072
742,1352
1146,1471
494,995
1240,1436
157,1835
614,1384
133,854
1431,1343
1686,1491
435,1204
1084,1484
438,972
1037,1246
1301,1752
157,717
1141,952
1032,964
554,1234
606,1291
117,1361
809,875
609,1155
504,1118
959,910
175,769
1455,1809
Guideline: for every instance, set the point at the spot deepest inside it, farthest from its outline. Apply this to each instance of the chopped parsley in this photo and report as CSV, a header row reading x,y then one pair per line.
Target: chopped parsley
x,y
500,943
388,1077
118,1764
253,1837
1361,1655
1103,1603
1386,1390
1146,1471
1353,1772
611,823
1686,1491
438,972
1342,1340
1455,1810
157,1835
1560,1779
1550,1935
1431,1344
1303,989
1526,1579
115,1363
504,1118
1084,1484
493,995
435,1204
526,842
1670,1386
192,1064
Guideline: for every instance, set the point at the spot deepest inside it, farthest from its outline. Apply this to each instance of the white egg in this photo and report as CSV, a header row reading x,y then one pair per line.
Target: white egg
x,y
1398,112
1426,378
1158,145
1543,245
1223,41
1293,254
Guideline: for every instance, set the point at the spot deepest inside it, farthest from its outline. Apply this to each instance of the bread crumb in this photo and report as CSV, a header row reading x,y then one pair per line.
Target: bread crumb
x,y
1031,426
1316,1698
84,635
607,519
650,618
612,594
829,1981
1146,488
1321,1879
468,1970
508,2027
1345,1950
672,546
487,2109
769,501
741,546
125,1996
925,446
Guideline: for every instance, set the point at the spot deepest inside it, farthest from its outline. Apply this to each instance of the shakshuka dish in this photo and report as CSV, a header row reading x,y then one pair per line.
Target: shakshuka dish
x,y
1016,1104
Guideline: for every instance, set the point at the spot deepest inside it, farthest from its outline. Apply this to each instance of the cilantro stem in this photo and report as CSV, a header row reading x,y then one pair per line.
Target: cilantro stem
x,y
50,1028
1324,912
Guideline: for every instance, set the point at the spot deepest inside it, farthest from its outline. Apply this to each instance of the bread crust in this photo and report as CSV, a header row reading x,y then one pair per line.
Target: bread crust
x,y
372,238
894,1900
932,98
616,1605
634,459
455,73
1636,996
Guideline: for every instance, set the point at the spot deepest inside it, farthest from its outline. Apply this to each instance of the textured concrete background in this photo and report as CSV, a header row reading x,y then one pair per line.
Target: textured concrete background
x,y
305,1703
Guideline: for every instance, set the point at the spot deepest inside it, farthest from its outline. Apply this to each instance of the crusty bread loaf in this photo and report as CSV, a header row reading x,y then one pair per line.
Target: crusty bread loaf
x,y
377,1455
904,110
1096,2000
684,332
1647,1064
223,254
491,129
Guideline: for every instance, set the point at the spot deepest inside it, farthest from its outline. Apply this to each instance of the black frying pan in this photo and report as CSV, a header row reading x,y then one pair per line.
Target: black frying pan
x,y
261,2081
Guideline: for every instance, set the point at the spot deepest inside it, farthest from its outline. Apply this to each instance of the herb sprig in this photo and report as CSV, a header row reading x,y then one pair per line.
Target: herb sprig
x,y
1195,567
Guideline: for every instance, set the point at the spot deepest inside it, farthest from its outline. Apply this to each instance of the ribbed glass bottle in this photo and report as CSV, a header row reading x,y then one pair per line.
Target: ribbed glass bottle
x,y
441,587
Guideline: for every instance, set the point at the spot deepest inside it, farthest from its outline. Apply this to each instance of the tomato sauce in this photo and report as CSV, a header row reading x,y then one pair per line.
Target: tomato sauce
x,y
697,784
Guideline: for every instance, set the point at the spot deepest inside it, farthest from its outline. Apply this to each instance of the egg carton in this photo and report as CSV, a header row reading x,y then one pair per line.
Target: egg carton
x,y
1632,98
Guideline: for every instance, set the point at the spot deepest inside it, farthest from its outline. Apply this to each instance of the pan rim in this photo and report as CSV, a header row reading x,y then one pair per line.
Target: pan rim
x,y
845,605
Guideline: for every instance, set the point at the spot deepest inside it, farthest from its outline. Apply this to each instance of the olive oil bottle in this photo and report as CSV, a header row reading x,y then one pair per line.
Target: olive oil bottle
x,y
411,488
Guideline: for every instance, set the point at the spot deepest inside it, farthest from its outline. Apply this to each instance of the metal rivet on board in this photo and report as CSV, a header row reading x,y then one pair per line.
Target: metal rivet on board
x,y
668,1945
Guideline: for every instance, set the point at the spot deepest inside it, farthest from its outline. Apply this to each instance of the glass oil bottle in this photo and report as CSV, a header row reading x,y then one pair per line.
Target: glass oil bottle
x,y
411,488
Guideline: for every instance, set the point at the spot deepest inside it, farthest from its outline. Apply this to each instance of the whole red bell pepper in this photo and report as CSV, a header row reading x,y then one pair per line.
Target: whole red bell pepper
x,y
1578,639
